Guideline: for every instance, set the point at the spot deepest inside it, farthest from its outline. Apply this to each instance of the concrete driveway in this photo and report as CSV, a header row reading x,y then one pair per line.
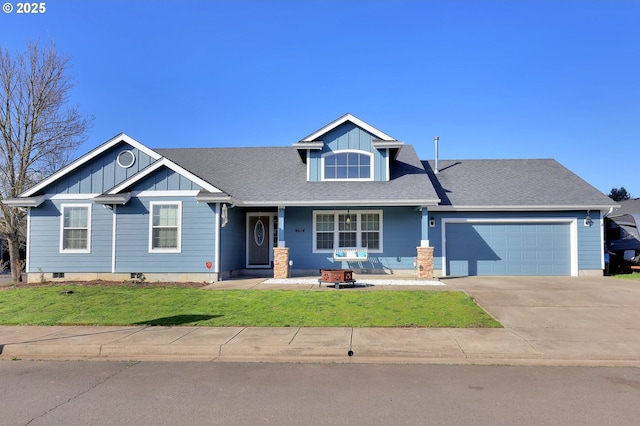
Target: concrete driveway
x,y
587,317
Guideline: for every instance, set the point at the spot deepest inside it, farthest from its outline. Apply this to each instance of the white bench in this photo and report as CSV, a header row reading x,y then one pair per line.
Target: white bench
x,y
351,254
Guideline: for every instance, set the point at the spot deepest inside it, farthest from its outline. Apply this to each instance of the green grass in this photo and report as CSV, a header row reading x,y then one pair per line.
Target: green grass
x,y
127,305
631,276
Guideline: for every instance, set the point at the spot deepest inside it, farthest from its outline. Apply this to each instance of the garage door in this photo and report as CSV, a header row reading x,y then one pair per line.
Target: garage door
x,y
508,249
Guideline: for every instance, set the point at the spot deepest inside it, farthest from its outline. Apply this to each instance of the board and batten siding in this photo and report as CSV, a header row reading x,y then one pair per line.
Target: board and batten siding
x,y
400,237
165,179
101,173
348,136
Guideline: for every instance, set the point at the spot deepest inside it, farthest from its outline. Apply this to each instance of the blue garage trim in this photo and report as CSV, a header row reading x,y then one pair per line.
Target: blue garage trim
x,y
516,246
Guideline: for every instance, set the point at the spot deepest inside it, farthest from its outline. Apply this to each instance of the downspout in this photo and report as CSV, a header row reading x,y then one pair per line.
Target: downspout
x,y
602,237
216,269
27,250
113,239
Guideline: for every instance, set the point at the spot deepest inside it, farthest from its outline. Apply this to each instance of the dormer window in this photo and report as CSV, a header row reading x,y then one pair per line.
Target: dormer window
x,y
347,165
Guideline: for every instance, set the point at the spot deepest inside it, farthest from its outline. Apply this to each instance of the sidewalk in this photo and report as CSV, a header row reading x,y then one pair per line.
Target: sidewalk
x,y
609,338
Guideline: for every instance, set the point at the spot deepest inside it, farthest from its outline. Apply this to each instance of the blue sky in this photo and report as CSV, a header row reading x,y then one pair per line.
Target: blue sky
x,y
494,79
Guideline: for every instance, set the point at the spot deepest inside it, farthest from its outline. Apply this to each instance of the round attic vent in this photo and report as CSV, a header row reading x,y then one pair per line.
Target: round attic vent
x,y
126,159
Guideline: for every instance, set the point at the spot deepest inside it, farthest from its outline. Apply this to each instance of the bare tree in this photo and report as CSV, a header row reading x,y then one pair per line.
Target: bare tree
x,y
39,131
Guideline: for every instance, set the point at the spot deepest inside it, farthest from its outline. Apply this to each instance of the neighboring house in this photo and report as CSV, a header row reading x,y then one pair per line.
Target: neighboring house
x,y
622,235
346,196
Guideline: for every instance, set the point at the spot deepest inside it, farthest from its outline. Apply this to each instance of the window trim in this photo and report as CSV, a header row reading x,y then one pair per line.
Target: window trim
x,y
178,248
336,229
346,151
63,207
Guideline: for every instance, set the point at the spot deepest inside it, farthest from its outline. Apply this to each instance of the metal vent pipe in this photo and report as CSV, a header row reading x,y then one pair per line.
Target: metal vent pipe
x,y
435,140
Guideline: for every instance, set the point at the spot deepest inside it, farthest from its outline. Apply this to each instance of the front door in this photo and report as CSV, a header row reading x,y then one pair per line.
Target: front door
x,y
261,230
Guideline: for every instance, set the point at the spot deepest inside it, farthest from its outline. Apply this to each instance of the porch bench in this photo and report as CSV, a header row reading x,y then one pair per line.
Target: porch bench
x,y
351,254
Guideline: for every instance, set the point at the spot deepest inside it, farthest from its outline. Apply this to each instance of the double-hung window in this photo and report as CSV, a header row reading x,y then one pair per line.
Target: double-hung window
x,y
75,228
165,227
347,229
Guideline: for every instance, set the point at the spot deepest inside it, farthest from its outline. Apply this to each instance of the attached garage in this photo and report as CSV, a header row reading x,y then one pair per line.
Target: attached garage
x,y
518,247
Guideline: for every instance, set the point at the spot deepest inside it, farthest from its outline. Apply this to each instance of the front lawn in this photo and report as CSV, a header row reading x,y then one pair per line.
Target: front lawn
x,y
128,305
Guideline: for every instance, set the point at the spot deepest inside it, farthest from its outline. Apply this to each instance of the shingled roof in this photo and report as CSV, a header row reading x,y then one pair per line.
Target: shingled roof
x,y
276,176
531,184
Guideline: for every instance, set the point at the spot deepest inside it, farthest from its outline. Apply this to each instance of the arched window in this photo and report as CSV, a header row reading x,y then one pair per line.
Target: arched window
x,y
347,165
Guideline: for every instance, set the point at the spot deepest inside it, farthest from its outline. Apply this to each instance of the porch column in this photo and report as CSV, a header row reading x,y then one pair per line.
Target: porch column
x,y
424,229
280,262
424,260
281,252
281,242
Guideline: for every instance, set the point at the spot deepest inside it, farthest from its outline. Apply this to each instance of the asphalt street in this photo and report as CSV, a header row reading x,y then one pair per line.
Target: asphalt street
x,y
205,393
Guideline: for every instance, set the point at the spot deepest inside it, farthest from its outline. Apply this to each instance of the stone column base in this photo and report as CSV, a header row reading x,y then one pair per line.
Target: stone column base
x,y
424,262
281,262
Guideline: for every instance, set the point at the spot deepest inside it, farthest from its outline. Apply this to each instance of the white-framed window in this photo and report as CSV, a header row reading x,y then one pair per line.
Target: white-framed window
x,y
347,165
347,229
75,228
165,227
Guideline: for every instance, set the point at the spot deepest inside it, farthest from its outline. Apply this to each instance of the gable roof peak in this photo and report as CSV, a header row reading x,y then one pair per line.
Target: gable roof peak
x,y
353,119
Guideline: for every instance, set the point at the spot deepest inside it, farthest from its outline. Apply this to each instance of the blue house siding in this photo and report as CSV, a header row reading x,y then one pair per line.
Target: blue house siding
x,y
45,225
589,256
101,173
348,137
400,237
132,230
165,179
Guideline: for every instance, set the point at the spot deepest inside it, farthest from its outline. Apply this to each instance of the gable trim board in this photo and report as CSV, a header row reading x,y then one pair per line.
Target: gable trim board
x,y
348,117
121,137
155,166
571,223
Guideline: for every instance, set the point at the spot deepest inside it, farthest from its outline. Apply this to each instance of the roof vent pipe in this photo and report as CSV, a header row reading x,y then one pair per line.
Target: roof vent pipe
x,y
435,140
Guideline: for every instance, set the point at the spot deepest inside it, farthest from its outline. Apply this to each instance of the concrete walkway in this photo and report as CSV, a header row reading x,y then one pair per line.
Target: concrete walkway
x,y
548,321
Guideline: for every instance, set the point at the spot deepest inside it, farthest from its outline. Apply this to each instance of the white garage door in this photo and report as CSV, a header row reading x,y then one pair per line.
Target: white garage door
x,y
508,248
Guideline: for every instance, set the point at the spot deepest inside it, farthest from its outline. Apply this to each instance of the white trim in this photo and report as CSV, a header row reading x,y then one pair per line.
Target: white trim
x,y
84,196
126,166
61,246
387,166
89,156
308,165
28,248
336,232
113,238
216,254
348,117
347,151
337,203
513,208
573,234
177,249
164,193
155,166
602,216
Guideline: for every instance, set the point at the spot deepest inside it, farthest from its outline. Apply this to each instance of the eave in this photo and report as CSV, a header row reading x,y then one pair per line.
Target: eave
x,y
110,199
484,208
213,197
24,201
340,203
